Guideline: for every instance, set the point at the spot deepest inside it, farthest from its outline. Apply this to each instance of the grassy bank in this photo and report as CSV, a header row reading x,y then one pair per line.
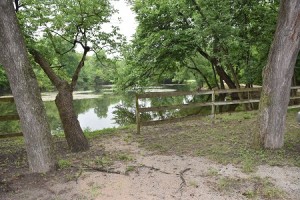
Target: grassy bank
x,y
227,139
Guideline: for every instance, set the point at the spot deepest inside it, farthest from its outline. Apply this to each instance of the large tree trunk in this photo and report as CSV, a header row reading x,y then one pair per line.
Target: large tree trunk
x,y
24,86
73,132
277,76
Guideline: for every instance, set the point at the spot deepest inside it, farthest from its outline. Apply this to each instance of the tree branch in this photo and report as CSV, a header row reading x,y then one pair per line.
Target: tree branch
x,y
200,72
44,64
79,67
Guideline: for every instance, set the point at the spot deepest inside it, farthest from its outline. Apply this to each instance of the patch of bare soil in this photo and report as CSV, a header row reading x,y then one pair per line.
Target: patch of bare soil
x,y
141,174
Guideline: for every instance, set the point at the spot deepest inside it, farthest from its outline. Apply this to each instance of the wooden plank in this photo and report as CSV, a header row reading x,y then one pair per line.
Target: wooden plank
x,y
213,100
192,105
6,99
222,103
294,106
162,108
9,135
182,119
238,90
170,94
137,113
295,87
173,120
203,92
291,98
9,117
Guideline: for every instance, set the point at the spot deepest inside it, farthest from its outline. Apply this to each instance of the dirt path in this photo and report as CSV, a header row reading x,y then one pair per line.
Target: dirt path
x,y
156,177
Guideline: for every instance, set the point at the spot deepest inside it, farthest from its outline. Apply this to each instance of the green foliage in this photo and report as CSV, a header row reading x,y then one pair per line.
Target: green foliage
x,y
235,35
58,28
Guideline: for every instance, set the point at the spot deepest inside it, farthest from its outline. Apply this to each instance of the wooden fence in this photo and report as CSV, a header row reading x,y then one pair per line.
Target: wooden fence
x,y
12,117
213,103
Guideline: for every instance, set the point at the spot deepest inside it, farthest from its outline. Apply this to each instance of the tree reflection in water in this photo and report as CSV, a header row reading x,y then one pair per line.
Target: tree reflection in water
x,y
109,110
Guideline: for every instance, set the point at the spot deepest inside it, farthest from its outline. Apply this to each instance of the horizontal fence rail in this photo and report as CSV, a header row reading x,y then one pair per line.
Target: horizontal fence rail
x,y
10,117
213,103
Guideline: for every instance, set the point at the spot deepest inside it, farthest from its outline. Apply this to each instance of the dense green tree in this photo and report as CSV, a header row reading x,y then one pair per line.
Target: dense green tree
x,y
229,37
98,71
54,29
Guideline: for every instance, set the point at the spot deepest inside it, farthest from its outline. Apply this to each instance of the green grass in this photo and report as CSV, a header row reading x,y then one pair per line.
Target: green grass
x,y
108,131
130,168
226,140
103,161
63,164
263,189
252,188
100,133
212,172
226,184
124,157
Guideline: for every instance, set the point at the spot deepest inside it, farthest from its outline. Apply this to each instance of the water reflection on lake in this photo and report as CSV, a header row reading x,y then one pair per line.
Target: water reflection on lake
x,y
90,120
102,110
93,113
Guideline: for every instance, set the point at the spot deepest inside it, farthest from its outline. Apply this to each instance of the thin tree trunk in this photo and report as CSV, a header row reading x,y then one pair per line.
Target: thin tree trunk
x,y
219,69
277,76
215,76
24,86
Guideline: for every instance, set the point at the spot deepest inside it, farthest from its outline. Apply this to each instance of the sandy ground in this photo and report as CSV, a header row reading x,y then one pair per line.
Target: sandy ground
x,y
157,177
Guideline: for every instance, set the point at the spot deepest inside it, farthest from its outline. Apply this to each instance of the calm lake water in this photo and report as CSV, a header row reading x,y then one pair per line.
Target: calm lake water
x,y
101,110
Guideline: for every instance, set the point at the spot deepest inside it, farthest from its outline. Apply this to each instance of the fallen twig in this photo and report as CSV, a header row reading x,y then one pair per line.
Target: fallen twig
x,y
183,182
79,174
153,168
101,169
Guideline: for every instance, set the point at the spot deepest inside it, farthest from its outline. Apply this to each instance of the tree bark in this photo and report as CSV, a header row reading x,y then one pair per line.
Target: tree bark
x,y
24,86
64,102
219,69
73,132
277,76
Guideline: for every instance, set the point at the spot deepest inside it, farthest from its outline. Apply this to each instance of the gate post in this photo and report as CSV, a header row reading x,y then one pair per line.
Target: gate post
x,y
213,99
137,113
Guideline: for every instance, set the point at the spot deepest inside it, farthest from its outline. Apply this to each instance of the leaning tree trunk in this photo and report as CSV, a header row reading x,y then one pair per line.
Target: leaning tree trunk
x,y
24,86
73,132
64,102
277,76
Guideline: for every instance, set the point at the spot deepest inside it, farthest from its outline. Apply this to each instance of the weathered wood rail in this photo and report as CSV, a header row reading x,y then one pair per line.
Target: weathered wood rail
x,y
213,103
11,117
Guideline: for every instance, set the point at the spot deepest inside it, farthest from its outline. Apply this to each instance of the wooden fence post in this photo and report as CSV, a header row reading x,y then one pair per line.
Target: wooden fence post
x,y
137,113
213,99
